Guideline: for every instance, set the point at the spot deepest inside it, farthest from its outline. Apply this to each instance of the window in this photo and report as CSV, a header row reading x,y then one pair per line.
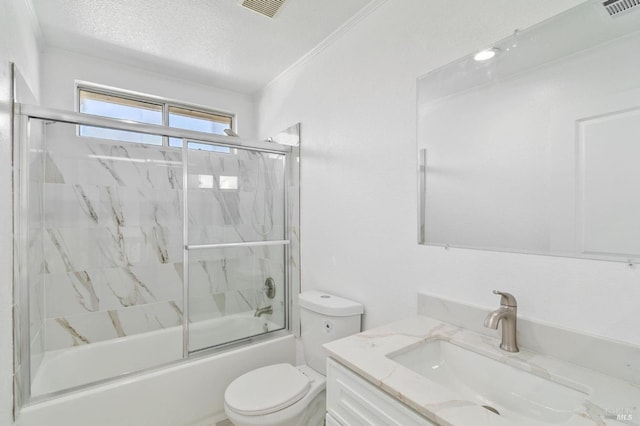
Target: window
x,y
113,104
190,119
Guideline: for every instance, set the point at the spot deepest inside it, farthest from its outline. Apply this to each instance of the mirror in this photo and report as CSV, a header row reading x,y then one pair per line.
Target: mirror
x,y
533,145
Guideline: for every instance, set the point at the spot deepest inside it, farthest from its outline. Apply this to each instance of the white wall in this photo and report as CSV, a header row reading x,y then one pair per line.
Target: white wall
x,y
357,102
18,44
19,41
61,69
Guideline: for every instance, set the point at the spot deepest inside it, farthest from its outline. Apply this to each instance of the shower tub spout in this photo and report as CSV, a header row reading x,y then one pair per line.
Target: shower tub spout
x,y
263,311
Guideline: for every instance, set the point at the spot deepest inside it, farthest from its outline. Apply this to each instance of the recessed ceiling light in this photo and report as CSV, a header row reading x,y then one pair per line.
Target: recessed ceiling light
x,y
486,54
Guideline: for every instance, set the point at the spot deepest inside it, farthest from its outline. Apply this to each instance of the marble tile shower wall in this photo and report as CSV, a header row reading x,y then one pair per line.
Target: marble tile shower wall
x,y
226,281
255,212
235,197
113,236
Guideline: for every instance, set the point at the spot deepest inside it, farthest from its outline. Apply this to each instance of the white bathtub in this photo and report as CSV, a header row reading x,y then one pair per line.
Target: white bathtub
x,y
67,368
189,391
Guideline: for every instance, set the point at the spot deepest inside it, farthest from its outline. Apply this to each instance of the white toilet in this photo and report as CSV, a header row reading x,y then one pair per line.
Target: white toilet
x,y
285,395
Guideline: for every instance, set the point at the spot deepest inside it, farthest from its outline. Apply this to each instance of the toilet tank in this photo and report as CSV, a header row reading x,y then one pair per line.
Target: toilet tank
x,y
323,318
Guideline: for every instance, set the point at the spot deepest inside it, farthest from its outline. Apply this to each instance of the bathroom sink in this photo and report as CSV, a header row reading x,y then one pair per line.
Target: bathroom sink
x,y
521,397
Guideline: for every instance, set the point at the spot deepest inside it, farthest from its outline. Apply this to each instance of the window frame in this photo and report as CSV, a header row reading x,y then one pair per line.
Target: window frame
x,y
166,104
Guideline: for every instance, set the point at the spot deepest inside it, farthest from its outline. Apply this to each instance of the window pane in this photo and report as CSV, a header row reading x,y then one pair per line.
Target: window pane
x,y
149,112
117,107
199,121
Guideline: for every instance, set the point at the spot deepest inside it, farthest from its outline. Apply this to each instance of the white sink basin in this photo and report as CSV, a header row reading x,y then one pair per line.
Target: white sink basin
x,y
518,396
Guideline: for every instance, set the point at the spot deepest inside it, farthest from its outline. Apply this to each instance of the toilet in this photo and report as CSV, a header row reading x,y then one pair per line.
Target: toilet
x,y
287,395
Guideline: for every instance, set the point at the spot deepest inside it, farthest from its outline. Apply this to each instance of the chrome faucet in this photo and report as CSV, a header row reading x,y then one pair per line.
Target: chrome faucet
x,y
508,314
262,311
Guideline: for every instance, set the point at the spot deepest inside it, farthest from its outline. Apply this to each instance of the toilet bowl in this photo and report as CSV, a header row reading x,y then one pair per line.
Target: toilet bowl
x,y
284,395
277,395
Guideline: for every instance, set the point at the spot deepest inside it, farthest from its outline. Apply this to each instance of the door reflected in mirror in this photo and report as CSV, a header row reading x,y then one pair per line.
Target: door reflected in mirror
x,y
535,148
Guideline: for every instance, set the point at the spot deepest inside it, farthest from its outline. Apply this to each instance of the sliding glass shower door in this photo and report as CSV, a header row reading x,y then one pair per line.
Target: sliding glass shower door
x,y
235,243
130,256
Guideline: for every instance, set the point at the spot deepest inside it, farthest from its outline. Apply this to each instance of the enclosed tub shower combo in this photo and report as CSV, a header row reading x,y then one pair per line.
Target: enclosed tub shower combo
x,y
132,257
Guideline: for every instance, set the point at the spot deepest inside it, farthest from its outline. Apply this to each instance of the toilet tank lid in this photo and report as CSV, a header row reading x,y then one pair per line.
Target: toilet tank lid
x,y
327,304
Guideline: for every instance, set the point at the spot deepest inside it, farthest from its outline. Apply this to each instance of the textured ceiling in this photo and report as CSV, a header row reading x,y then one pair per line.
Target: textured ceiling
x,y
217,42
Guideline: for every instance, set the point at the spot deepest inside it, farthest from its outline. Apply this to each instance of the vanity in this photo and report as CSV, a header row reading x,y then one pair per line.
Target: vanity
x,y
447,369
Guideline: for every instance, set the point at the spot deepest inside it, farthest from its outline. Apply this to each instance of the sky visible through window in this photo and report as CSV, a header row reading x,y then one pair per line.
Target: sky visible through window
x,y
113,110
149,113
198,124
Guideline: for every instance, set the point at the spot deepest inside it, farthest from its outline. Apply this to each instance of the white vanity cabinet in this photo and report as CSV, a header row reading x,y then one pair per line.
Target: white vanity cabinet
x,y
352,401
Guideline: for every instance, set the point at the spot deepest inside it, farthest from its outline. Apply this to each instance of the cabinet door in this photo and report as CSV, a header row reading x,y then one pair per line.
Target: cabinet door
x,y
352,401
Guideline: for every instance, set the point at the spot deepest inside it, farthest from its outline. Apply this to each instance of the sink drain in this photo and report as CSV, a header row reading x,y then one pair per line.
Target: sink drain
x,y
493,410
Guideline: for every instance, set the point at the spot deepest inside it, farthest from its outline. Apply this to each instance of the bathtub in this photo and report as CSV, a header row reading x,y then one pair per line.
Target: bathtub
x,y
179,394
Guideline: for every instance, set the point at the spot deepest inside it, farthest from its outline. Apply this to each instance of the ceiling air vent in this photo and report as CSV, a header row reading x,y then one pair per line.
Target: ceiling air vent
x,y
265,7
617,7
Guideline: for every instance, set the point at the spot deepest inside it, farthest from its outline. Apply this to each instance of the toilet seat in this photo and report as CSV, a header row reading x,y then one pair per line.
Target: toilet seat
x,y
267,390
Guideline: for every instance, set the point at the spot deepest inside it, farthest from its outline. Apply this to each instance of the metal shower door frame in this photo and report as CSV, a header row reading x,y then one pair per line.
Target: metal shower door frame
x,y
193,247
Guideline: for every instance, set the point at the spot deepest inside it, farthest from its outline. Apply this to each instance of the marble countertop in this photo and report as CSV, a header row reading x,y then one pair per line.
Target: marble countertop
x,y
608,400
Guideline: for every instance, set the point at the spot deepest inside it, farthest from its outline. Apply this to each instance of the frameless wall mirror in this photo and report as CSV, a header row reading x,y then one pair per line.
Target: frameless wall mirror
x,y
533,145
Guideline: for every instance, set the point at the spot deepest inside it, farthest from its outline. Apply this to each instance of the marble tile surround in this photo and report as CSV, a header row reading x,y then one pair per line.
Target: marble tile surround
x,y
111,237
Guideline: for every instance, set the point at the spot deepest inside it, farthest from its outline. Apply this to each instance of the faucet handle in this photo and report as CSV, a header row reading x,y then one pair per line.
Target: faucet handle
x,y
506,299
